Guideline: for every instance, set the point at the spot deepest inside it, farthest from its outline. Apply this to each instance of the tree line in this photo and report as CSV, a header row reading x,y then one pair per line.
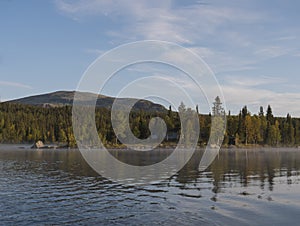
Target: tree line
x,y
26,124
262,128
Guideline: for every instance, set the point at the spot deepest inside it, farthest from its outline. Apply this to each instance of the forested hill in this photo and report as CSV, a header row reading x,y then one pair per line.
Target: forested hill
x,y
62,98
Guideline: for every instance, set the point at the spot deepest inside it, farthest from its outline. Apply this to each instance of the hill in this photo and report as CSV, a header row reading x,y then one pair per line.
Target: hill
x,y
61,98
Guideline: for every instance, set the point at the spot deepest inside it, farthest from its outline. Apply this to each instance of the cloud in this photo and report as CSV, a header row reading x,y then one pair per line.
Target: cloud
x,y
190,25
246,81
15,84
281,102
160,19
222,61
286,38
297,54
272,51
225,25
253,92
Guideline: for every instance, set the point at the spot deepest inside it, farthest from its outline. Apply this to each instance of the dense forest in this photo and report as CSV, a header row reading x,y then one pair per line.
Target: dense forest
x,y
20,123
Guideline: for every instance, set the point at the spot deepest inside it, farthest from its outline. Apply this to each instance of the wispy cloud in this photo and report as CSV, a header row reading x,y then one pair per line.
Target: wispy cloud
x,y
281,102
253,92
190,25
246,81
161,19
223,61
297,54
272,51
287,38
15,84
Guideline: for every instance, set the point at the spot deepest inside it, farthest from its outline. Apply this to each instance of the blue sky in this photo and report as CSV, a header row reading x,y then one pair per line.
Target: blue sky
x,y
252,46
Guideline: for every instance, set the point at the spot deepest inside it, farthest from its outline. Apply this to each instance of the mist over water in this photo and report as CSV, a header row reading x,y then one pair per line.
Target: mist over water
x,y
249,187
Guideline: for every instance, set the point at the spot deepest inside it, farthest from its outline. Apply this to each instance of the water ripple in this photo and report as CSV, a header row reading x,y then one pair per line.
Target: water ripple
x,y
61,189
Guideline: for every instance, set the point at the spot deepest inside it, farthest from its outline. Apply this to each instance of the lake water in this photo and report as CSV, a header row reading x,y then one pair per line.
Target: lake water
x,y
241,187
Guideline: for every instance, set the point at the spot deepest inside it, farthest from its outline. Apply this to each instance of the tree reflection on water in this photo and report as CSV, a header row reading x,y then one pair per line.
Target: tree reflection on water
x,y
244,166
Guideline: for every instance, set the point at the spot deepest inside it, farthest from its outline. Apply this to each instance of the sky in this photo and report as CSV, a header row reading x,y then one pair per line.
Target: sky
x,y
252,46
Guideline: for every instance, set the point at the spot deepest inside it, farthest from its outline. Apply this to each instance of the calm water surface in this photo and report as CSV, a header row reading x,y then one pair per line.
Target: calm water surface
x,y
55,187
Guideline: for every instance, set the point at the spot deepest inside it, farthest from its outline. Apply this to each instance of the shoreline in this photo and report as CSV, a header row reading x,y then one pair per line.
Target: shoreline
x,y
26,146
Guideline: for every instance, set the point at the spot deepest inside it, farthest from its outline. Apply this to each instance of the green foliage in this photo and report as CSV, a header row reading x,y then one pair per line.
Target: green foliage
x,y
288,131
273,136
21,123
